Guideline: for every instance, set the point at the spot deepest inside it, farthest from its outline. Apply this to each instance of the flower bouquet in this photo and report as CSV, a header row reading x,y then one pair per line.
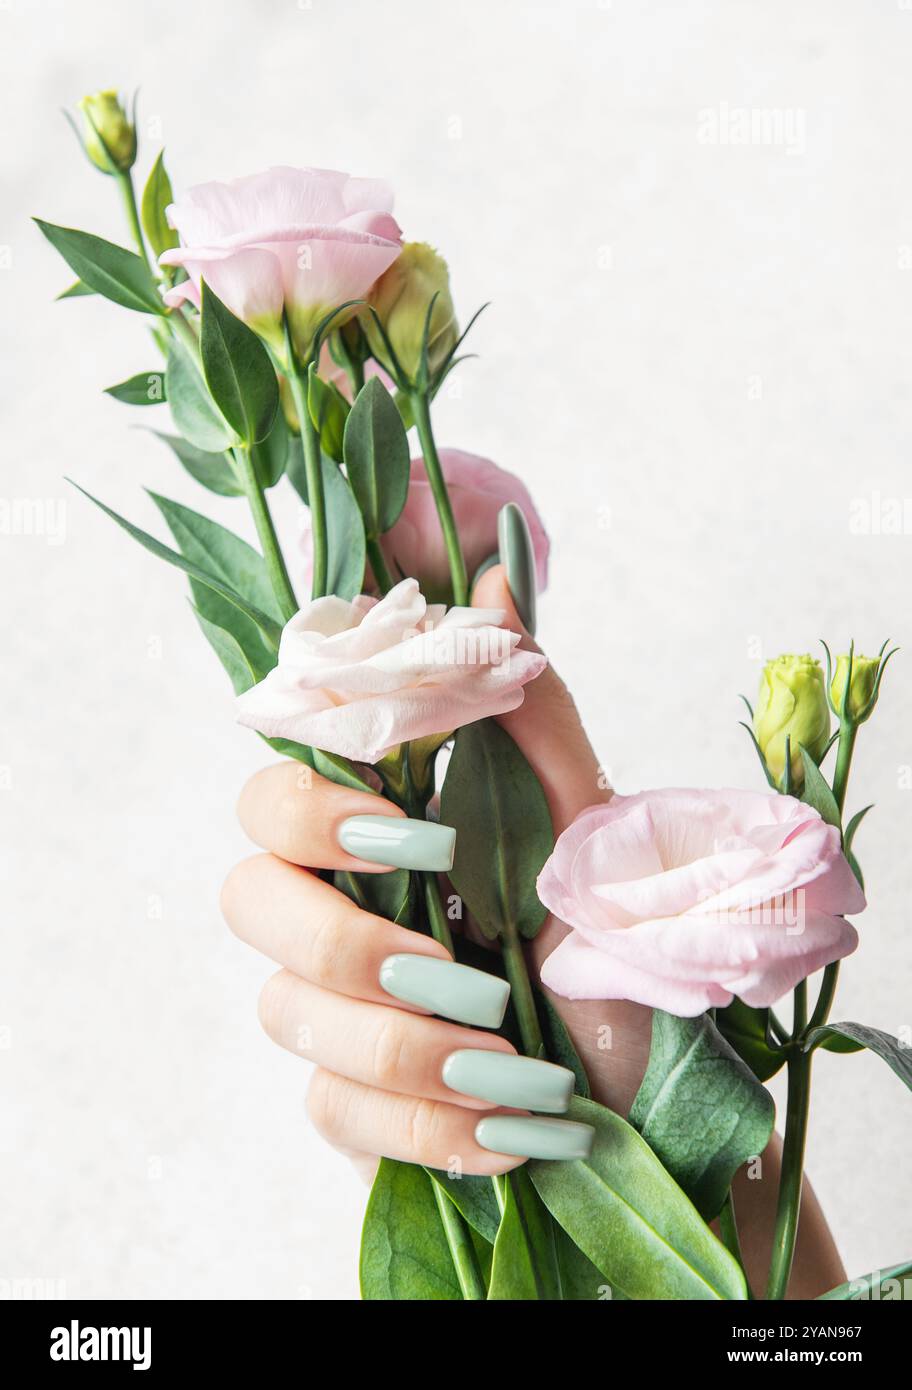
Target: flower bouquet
x,y
301,338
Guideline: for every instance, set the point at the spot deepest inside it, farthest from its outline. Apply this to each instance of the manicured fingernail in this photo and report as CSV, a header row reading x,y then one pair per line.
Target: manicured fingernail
x,y
518,559
405,844
455,991
534,1136
504,1078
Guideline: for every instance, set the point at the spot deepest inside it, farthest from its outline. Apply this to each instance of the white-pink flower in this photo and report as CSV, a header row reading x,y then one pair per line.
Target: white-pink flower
x,y
360,678
683,899
301,240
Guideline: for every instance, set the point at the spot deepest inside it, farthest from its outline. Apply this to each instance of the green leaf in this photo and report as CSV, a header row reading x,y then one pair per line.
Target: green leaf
x,y
156,196
340,770
146,388
558,1043
852,827
329,410
194,411
76,291
817,792
889,1049
345,529
221,553
886,1285
630,1218
229,652
238,371
504,833
581,1282
212,471
107,269
474,1197
700,1108
749,1033
270,629
524,1267
270,455
404,1253
377,457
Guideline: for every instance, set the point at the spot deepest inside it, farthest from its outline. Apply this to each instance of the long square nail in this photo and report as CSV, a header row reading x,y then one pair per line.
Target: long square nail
x,y
447,988
396,840
534,1136
504,1078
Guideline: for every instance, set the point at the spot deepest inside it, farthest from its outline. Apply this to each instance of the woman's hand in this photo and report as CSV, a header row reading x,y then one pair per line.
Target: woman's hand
x,y
354,989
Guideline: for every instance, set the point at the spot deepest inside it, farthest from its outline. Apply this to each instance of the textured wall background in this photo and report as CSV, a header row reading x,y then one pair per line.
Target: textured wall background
x,y
698,356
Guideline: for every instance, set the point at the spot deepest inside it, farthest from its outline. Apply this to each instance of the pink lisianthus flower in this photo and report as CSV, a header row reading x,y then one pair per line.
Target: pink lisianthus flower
x,y
478,490
301,241
683,899
360,678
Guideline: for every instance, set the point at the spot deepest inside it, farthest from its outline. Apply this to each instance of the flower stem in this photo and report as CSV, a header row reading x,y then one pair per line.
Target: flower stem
x,y
272,554
422,409
313,469
378,565
521,993
790,1181
847,735
462,1250
440,927
128,193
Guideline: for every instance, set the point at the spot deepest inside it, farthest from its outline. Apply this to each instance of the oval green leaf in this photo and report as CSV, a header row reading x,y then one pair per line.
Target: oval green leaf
x,y
376,455
631,1219
238,371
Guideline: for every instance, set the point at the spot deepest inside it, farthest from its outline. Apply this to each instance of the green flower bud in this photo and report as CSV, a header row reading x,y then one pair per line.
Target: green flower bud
x,y
109,137
793,705
401,297
864,679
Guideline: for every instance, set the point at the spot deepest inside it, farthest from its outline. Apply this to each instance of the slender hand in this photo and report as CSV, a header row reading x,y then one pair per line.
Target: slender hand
x,y
378,1087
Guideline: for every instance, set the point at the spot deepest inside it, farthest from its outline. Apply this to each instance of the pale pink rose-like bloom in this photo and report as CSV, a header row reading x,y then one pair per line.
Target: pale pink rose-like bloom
x,y
683,899
478,490
305,240
360,678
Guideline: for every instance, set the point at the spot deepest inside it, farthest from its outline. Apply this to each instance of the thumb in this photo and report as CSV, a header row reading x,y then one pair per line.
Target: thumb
x,y
546,726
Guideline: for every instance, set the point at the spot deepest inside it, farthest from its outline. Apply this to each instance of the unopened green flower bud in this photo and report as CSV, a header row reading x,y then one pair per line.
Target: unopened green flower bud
x,y
861,688
793,705
108,135
401,298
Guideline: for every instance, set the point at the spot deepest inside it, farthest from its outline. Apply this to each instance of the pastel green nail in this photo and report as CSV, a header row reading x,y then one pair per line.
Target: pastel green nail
x,y
455,991
405,844
504,1078
534,1136
518,559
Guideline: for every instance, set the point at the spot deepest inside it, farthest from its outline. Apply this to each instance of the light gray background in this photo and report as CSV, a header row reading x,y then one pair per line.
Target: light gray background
x,y
698,355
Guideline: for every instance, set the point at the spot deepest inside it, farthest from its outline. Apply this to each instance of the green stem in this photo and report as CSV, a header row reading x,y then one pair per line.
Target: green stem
x,y
790,1181
310,442
825,997
378,565
799,1013
128,193
521,995
356,376
437,920
728,1229
272,554
462,1250
848,732
422,409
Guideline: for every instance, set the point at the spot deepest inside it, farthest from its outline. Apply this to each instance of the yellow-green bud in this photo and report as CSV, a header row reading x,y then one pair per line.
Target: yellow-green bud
x,y
401,297
108,135
793,705
864,678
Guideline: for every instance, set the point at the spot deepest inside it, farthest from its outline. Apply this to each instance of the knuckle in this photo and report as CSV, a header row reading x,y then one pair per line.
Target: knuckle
x,y
424,1128
272,1005
236,887
325,951
329,1102
388,1051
